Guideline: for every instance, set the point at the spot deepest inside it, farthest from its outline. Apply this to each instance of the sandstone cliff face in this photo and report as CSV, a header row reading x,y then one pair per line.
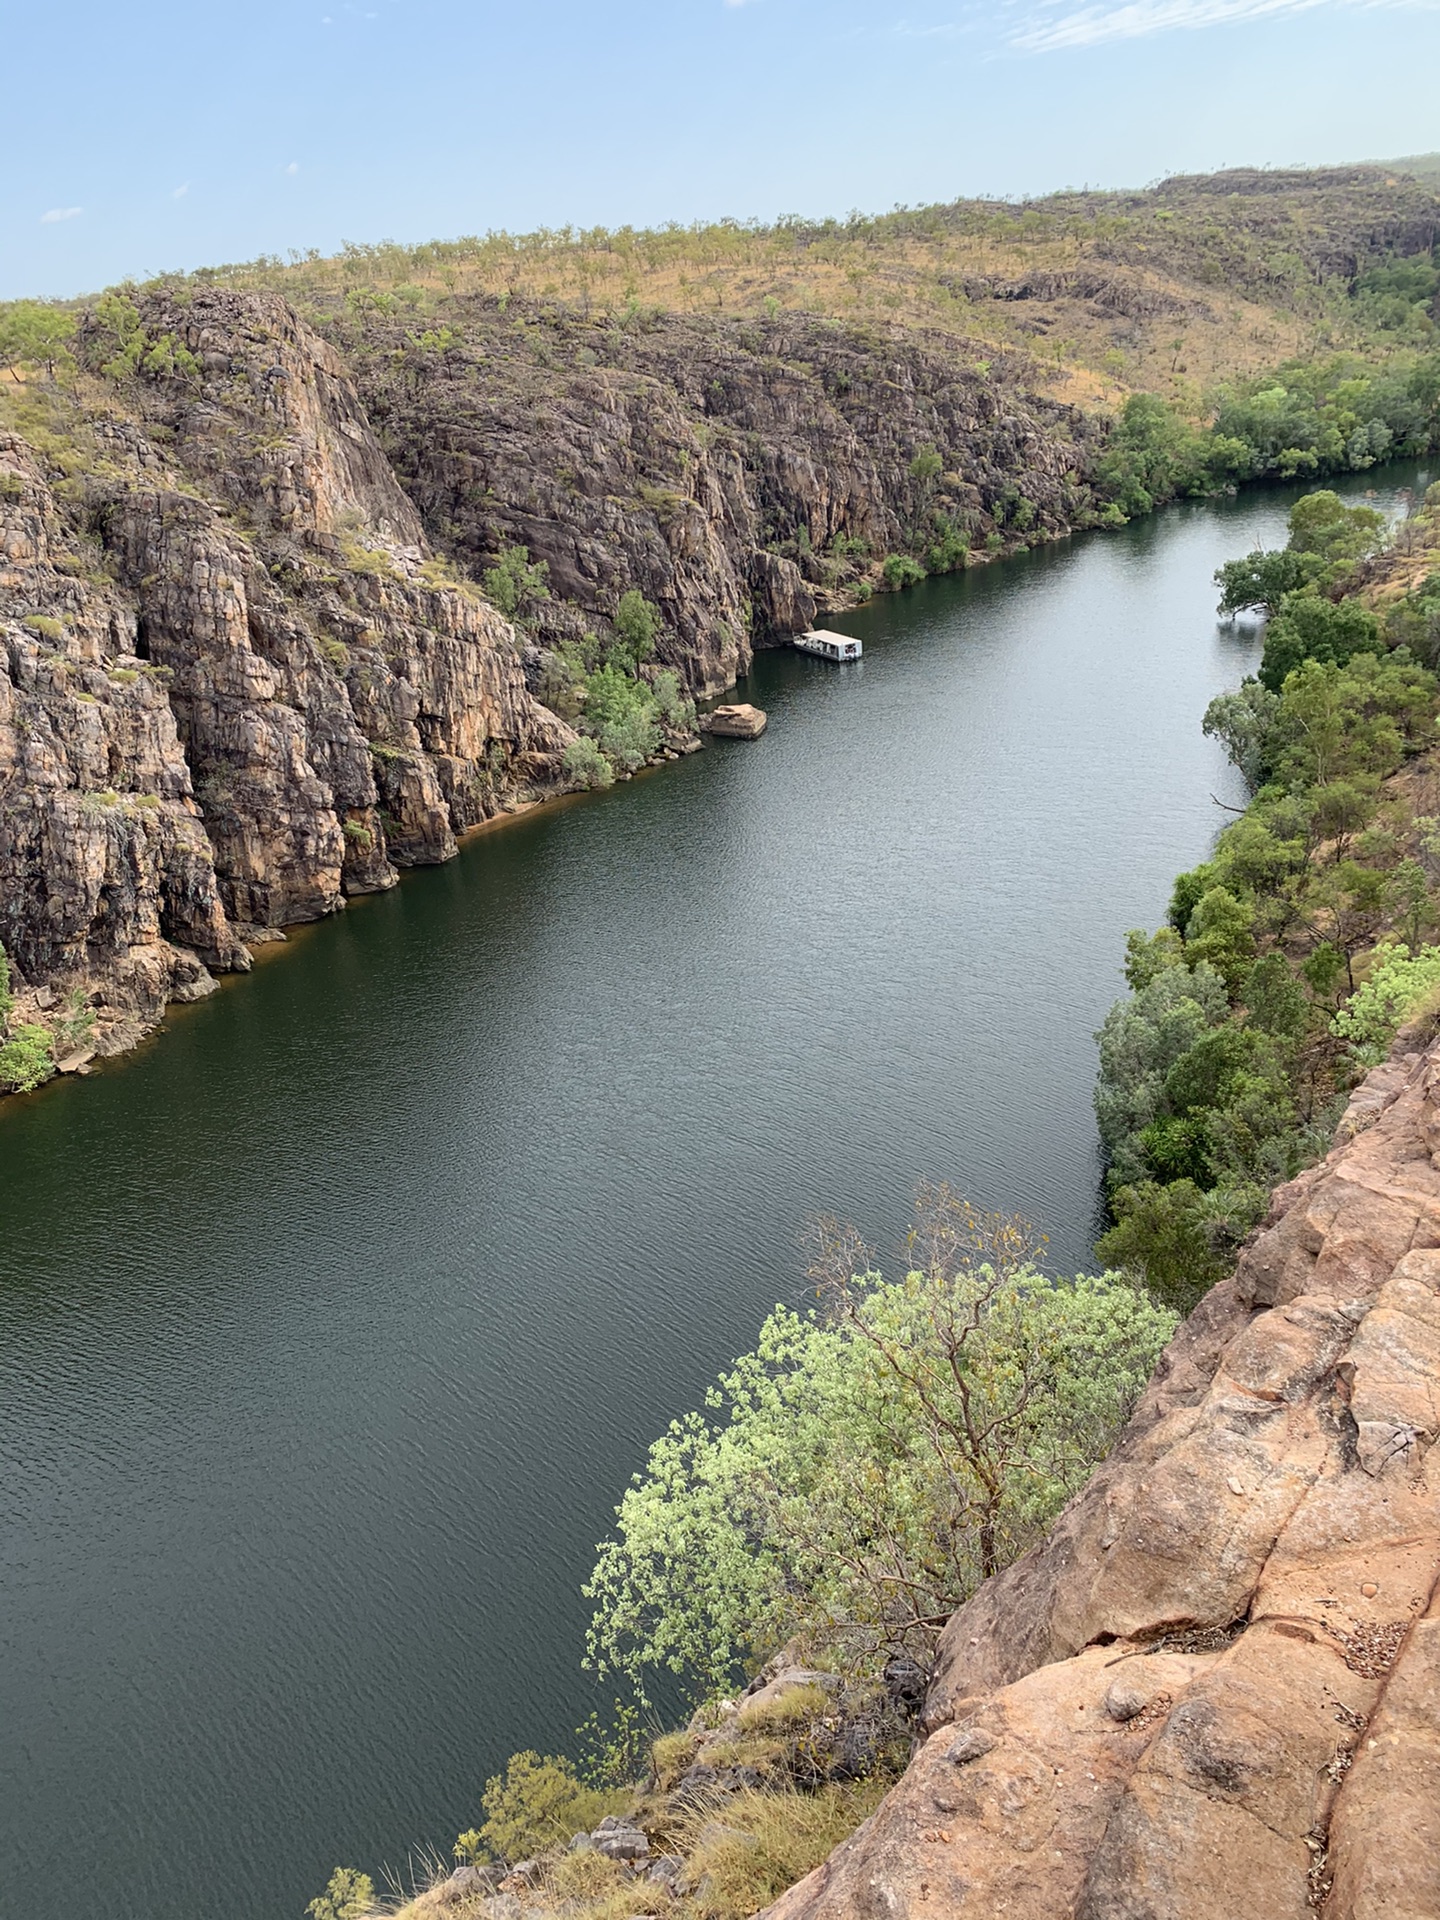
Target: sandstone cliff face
x,y
238,687
1214,1690
719,465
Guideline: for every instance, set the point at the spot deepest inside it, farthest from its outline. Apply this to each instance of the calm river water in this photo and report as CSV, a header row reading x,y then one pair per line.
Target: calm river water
x,y
332,1324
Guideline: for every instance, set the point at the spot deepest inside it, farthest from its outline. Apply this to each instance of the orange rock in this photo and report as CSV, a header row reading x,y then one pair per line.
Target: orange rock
x,y
1283,1754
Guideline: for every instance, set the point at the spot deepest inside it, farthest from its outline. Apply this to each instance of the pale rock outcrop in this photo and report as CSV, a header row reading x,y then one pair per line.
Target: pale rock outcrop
x,y
1213,1692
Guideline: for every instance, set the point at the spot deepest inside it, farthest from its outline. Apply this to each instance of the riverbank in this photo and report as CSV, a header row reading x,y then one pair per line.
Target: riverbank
x,y
399,1223
249,676
707,1844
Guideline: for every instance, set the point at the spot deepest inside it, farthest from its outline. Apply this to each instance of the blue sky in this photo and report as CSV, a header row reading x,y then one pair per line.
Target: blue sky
x,y
168,135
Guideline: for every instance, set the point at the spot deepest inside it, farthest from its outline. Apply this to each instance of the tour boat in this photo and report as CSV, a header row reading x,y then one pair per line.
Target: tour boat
x,y
829,646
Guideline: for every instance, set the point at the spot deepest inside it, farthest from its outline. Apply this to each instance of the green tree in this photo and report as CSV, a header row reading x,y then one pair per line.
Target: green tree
x,y
1221,932
514,584
926,467
1274,998
34,333
1153,455
857,1475
1162,1233
1322,525
637,622
622,715
1261,580
1309,628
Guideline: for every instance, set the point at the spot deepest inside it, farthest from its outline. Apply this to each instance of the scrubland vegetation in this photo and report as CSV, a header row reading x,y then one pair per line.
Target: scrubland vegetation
x,y
1292,956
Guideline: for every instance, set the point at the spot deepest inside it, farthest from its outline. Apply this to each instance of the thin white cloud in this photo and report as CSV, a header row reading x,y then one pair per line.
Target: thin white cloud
x,y
60,213
179,193
1049,27
294,167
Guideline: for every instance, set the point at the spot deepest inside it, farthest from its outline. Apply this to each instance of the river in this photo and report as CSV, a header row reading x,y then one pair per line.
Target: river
x,y
333,1322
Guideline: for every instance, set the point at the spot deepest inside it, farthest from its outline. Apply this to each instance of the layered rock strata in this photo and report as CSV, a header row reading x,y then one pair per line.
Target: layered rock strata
x,y
240,686
237,686
729,469
1213,1692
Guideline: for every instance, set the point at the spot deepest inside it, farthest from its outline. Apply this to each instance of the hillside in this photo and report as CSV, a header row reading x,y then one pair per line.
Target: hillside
x,y
310,568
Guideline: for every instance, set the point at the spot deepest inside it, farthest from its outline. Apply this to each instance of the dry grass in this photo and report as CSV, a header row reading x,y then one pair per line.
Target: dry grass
x,y
794,1708
752,1846
1169,290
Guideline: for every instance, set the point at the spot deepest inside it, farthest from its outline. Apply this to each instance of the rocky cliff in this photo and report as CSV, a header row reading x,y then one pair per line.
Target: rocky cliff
x,y
237,687
1214,1691
241,686
731,469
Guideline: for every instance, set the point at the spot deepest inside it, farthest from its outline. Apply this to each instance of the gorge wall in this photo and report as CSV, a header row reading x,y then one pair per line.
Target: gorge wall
x,y
240,686
1214,1690
729,468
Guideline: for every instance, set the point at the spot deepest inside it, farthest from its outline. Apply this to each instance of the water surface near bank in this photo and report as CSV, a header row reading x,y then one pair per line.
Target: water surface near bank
x,y
333,1323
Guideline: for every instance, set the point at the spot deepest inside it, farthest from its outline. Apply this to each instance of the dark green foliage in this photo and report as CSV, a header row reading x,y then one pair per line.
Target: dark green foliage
x,y
1164,1231
515,586
1273,997
1153,455
1336,414
1186,896
1220,930
1221,1074
1261,580
901,571
949,547
637,622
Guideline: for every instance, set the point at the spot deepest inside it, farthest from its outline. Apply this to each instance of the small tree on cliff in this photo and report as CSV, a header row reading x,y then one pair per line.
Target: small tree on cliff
x,y
855,1477
637,622
33,333
515,584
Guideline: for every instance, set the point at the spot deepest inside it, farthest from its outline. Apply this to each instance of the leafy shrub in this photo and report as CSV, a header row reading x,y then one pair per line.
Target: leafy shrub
x,y
514,584
1400,986
350,1895
584,761
856,1476
675,707
621,713
901,571
538,1802
27,1056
